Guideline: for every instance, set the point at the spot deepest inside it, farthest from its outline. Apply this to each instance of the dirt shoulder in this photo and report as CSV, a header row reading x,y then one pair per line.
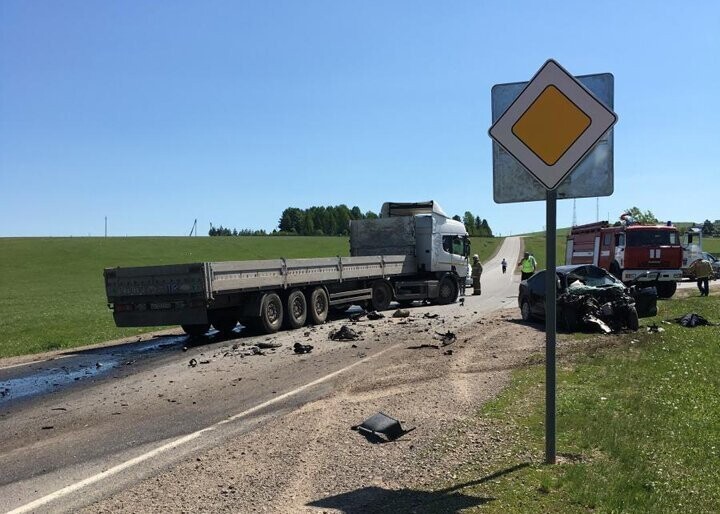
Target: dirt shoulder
x,y
309,459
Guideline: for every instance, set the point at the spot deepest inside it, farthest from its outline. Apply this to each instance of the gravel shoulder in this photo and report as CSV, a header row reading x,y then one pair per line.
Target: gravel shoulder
x,y
308,460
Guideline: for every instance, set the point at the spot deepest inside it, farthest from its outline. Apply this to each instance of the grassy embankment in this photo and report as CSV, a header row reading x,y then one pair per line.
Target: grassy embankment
x,y
53,292
637,426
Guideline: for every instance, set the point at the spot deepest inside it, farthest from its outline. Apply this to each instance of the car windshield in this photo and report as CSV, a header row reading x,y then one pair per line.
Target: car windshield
x,y
592,276
651,237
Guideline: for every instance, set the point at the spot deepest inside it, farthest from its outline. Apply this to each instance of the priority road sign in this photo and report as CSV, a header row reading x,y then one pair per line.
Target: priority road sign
x,y
552,124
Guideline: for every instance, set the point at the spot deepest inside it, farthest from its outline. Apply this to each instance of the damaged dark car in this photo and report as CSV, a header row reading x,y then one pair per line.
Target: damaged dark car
x,y
588,297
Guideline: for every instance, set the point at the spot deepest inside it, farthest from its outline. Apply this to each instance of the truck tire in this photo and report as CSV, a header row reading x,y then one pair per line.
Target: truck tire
x,y
632,321
318,306
666,289
195,330
382,295
295,309
447,290
271,313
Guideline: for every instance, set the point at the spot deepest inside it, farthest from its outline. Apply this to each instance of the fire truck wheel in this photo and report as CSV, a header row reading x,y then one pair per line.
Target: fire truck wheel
x,y
666,289
633,323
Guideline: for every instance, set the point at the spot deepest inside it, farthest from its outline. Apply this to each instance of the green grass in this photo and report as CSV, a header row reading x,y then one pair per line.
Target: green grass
x,y
639,415
712,245
485,247
54,294
536,246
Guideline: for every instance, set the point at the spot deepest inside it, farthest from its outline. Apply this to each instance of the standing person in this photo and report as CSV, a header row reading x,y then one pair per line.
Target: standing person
x,y
477,270
534,262
702,269
527,268
504,265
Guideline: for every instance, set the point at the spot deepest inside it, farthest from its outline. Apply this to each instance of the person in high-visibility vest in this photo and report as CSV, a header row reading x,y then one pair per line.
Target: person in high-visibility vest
x,y
527,266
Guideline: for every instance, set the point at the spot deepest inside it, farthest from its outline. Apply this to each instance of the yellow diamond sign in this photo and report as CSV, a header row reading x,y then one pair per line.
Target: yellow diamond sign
x,y
552,124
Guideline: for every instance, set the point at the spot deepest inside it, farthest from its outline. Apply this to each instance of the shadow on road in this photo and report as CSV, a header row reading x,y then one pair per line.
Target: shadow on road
x,y
377,499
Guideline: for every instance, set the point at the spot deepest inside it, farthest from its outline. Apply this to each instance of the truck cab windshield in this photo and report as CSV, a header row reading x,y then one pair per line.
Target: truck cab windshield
x,y
456,245
651,237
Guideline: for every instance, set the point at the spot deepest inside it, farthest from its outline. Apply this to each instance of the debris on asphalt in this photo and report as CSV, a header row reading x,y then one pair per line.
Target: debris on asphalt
x,y
357,316
424,345
447,338
448,352
654,328
692,320
59,408
302,348
462,302
204,362
268,344
47,427
193,363
374,315
379,425
344,333
428,315
401,313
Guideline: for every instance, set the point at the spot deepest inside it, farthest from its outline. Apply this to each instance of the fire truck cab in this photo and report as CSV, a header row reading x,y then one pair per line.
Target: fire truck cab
x,y
629,251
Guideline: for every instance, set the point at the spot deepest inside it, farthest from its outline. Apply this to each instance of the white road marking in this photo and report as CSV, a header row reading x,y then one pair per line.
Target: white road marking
x,y
60,493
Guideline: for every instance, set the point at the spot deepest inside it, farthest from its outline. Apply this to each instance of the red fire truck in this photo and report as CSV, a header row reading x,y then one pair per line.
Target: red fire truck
x,y
628,251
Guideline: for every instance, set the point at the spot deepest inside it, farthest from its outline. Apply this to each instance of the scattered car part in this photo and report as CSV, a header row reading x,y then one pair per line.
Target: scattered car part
x,y
381,424
344,333
302,348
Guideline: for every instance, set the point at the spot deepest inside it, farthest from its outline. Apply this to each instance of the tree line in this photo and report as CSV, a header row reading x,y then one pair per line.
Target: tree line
x,y
335,221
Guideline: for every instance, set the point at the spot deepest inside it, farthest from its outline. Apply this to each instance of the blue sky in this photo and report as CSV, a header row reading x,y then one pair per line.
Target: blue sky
x,y
157,113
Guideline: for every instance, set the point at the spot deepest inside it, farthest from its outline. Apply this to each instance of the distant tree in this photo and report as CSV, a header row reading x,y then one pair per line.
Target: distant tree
x,y
370,215
469,222
356,213
708,228
457,218
646,217
485,230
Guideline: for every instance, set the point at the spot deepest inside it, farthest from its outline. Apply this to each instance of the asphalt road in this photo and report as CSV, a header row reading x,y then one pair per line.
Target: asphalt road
x,y
82,426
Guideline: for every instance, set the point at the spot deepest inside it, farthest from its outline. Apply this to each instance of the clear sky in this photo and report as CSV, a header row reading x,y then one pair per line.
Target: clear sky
x,y
154,113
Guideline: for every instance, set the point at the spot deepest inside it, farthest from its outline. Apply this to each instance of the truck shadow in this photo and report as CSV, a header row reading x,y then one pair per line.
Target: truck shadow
x,y
376,499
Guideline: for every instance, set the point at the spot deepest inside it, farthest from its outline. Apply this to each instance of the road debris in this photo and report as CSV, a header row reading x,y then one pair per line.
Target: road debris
x,y
357,316
428,315
448,352
692,320
193,363
375,315
379,425
401,313
654,328
461,301
447,338
424,345
268,344
302,348
344,333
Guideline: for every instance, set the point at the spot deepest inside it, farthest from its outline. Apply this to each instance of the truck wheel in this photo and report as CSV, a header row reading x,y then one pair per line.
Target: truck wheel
x,y
295,309
271,313
633,323
381,295
195,330
666,289
319,306
447,291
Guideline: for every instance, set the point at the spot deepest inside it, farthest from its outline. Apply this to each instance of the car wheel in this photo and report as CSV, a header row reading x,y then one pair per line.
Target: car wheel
x,y
525,311
633,323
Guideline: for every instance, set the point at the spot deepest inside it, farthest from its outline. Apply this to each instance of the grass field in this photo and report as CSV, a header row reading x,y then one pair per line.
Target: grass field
x,y
53,294
637,425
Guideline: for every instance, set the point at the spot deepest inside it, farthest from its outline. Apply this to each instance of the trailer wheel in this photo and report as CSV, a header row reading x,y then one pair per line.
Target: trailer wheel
x,y
271,313
381,295
447,291
666,289
319,306
195,330
295,309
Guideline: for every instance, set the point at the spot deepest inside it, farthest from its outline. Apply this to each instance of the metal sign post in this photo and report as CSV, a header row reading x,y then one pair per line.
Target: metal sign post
x,y
547,132
550,324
